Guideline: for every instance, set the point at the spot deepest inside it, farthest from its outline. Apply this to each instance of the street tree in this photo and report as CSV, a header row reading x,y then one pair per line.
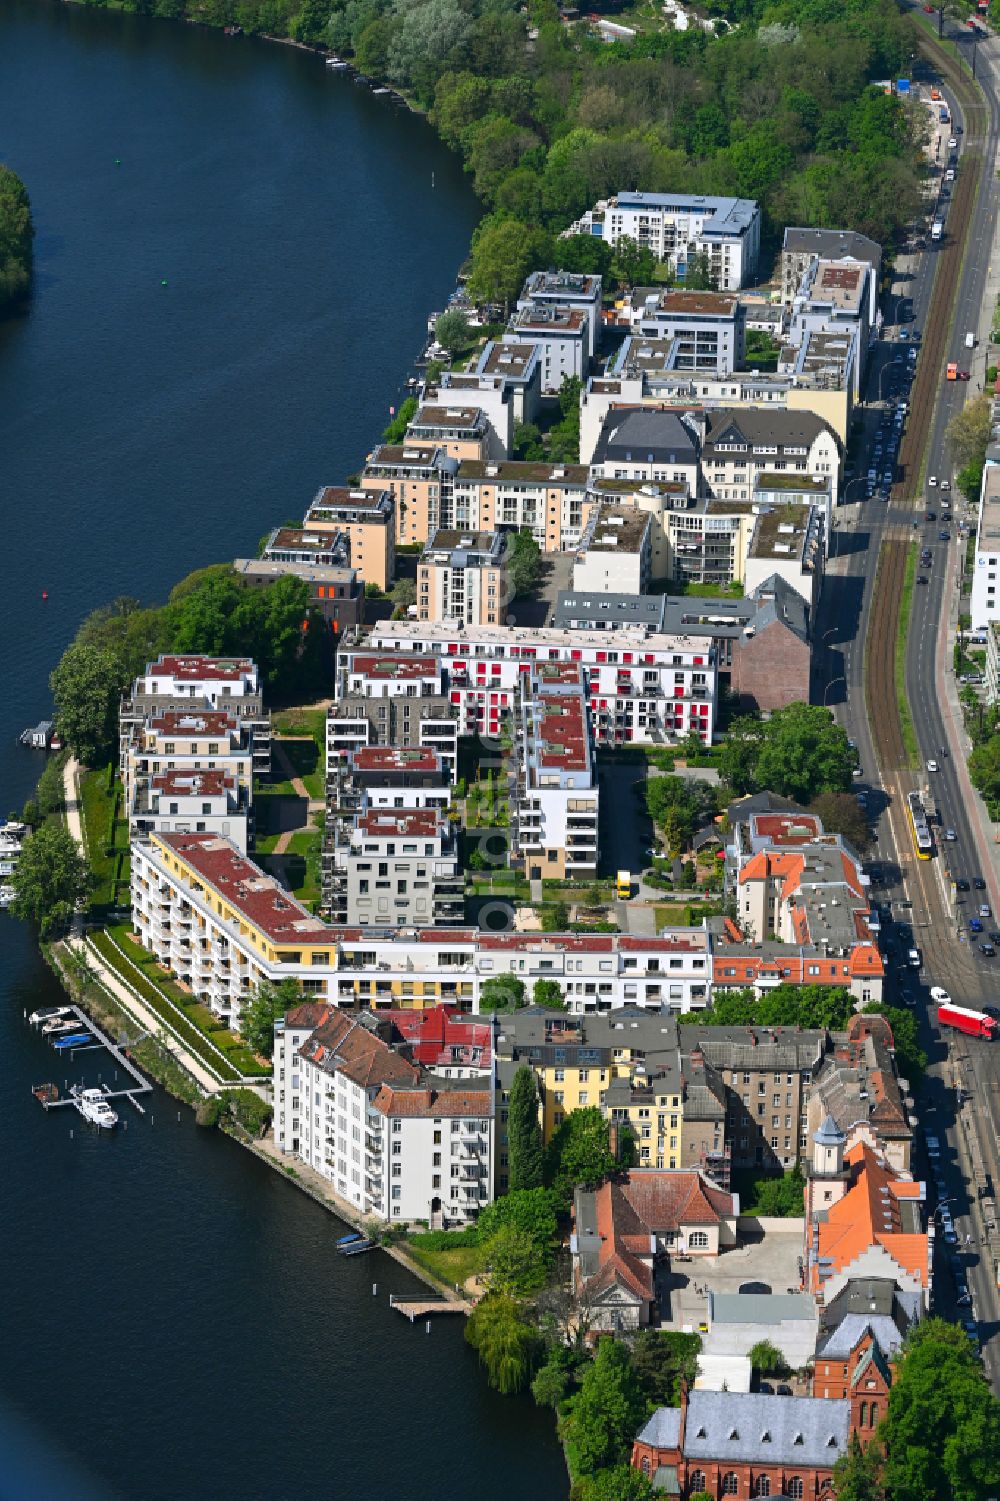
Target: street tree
x,y
267,1004
798,753
606,1413
524,1133
984,768
841,813
403,592
968,432
50,878
86,688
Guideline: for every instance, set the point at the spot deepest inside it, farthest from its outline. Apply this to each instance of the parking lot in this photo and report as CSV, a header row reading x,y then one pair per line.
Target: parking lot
x,y
771,1260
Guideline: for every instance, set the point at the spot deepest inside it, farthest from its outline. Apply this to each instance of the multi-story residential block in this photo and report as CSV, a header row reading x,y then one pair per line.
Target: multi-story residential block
x,y
414,475
196,684
549,500
699,331
789,542
360,719
834,298
567,289
800,247
390,868
368,517
992,673
382,776
290,544
984,606
463,431
856,1085
562,335
679,226
739,444
640,687
516,367
222,926
555,828
656,498
210,801
615,551
761,642
395,1139
184,742
463,577
646,445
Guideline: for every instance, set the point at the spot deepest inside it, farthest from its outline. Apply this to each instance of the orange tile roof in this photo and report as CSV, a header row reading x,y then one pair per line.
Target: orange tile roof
x,y
868,1215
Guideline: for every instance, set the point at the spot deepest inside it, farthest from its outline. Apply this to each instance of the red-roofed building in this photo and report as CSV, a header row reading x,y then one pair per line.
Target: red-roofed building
x,y
393,868
555,832
624,1230
394,1110
197,684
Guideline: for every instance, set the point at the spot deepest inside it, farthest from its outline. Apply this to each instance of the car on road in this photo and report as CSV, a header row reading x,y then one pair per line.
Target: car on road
x,y
964,375
950,1235
927,9
993,1011
950,835
971,1328
987,949
994,937
904,333
931,516
975,926
932,481
964,1299
921,578
979,883
984,910
945,486
934,1150
933,766
765,1388
858,771
939,994
944,536
961,885
952,142
887,477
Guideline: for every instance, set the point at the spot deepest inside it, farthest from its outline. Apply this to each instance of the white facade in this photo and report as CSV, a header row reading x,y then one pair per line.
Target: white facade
x,y
195,802
567,289
678,226
189,743
562,336
616,552
984,607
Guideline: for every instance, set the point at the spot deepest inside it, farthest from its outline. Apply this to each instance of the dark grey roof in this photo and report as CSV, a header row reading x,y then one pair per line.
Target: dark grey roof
x,y
831,244
644,436
762,425
604,611
588,1242
753,1428
745,808
776,600
829,1134
839,1343
775,1047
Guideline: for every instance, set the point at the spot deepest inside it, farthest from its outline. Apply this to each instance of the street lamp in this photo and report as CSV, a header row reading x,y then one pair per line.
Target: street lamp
x,y
832,684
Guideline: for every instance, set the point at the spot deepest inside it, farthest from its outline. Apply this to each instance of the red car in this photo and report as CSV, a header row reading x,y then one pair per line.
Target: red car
x,y
964,375
929,9
971,24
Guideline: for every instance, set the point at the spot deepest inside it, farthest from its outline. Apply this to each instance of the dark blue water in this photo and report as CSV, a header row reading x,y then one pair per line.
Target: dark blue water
x,y
173,1323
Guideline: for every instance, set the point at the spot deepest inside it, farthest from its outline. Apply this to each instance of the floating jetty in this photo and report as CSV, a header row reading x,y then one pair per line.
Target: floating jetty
x,y
89,1037
422,1308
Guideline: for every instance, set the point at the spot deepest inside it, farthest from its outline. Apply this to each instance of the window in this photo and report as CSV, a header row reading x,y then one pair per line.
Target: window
x,y
763,1486
730,1484
696,1481
698,1240
794,1487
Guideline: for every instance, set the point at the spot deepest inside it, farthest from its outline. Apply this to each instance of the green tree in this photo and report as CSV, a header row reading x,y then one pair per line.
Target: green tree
x,y
842,814
524,1134
662,1359
984,768
774,1198
86,688
16,238
403,592
548,993
513,1263
49,879
766,1358
529,1210
800,752
858,1475
266,1005
942,1431
503,252
911,1060
968,432
524,563
578,1155
605,1415
396,430
829,1006
582,254
680,806
556,1378
505,1342
505,993
620,1483
452,330
555,918
633,265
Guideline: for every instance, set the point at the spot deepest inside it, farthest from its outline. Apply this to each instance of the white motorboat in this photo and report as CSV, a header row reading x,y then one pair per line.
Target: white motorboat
x,y
7,895
47,1014
94,1108
57,1024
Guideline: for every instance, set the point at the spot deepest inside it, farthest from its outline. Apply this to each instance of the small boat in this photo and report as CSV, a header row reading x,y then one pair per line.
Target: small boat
x,y
46,1093
59,1025
378,92
361,78
46,1013
76,1041
94,1107
348,1240
336,62
7,895
358,1248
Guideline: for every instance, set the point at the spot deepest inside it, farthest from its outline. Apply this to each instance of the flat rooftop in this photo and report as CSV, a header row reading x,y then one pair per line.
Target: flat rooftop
x,y
781,533
526,639
405,823
245,887
334,497
177,722
516,471
678,303
211,783
466,419
465,549
611,609
549,318
311,573
722,215
374,758
394,665
512,360
621,528
199,669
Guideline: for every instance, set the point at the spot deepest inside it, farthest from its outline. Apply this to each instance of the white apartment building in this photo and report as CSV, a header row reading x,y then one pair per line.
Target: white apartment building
x,y
615,555
189,743
699,331
195,683
740,444
222,926
787,541
463,576
385,776
679,226
548,500
562,335
568,289
648,446
984,607
393,867
397,1141
642,687
555,830
192,802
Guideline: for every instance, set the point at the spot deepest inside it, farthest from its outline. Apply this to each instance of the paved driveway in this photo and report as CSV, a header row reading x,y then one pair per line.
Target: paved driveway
x,y
626,830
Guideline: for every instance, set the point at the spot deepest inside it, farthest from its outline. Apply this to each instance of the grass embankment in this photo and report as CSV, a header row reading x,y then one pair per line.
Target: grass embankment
x,y
106,836
451,1264
222,1051
910,744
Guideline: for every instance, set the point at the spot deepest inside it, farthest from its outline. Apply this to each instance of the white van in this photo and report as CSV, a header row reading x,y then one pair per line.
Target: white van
x,y
970,341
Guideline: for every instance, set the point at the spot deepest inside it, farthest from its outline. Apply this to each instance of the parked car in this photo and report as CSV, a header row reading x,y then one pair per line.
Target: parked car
x,y
961,885
987,949
975,926
984,910
950,835
932,481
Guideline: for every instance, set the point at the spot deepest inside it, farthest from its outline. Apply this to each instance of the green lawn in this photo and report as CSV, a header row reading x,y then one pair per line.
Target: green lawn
x,y
222,1051
902,632
96,807
452,1267
306,721
306,761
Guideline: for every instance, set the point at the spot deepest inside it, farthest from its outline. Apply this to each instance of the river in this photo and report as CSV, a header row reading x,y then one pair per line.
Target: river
x,y
174,1324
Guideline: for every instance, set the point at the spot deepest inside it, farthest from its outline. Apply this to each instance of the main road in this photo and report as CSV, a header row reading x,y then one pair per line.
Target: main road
x,y
936,299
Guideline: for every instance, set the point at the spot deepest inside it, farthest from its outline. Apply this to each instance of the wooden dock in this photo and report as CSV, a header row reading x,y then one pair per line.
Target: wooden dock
x,y
139,1085
422,1308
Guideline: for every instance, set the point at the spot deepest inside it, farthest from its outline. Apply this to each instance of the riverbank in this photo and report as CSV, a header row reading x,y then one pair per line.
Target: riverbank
x,y
17,234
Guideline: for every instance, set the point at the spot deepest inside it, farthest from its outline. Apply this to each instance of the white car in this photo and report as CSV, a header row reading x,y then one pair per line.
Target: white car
x,y
952,142
933,766
940,995
932,481
950,835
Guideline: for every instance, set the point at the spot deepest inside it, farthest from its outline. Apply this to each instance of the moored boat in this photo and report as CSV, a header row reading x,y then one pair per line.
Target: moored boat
x,y
47,1013
46,1093
94,1108
75,1041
